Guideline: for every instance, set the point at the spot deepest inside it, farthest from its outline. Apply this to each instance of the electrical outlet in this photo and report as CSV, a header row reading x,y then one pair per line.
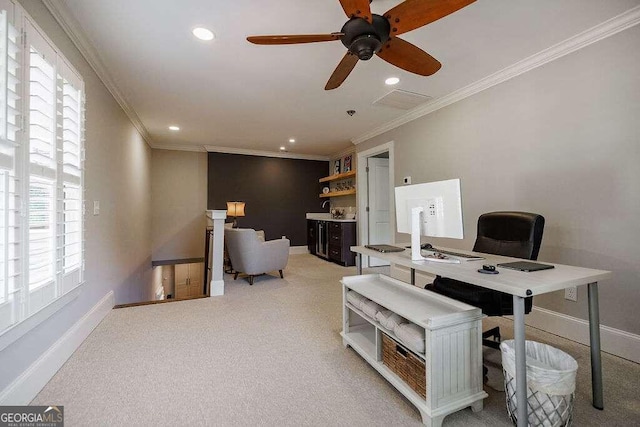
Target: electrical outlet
x,y
571,294
406,180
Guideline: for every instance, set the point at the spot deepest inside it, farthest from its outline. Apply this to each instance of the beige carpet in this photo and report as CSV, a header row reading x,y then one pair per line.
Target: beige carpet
x,y
271,354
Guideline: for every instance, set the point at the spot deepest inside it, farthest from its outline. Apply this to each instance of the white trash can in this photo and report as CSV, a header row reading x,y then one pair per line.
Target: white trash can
x,y
551,383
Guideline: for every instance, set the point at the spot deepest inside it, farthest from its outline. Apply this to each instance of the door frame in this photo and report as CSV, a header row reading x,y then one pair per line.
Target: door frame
x,y
363,193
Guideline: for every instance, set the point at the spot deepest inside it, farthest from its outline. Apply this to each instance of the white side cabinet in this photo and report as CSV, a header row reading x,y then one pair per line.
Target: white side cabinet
x,y
453,343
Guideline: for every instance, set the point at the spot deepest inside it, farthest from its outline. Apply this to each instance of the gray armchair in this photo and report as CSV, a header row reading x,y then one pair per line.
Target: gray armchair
x,y
252,256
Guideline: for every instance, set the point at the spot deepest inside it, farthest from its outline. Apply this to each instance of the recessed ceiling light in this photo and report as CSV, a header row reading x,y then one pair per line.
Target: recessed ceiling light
x,y
283,148
174,128
291,140
392,81
203,33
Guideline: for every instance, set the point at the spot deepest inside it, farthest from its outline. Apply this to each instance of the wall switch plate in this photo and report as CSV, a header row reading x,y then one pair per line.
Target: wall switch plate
x,y
96,207
571,294
406,180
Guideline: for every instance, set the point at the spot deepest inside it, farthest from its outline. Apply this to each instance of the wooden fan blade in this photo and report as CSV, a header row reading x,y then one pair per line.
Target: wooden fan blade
x,y
294,39
409,57
342,71
412,14
357,9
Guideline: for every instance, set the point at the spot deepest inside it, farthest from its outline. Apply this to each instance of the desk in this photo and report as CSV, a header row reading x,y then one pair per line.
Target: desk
x,y
521,285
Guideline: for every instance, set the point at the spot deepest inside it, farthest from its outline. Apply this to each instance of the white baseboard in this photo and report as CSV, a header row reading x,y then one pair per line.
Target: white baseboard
x,y
24,388
614,341
297,250
216,288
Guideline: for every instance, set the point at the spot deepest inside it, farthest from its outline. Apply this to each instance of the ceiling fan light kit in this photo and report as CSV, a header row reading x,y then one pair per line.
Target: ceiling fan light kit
x,y
366,34
365,39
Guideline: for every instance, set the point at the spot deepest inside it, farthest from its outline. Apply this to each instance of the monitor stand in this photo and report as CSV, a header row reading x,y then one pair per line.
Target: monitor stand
x,y
415,234
415,241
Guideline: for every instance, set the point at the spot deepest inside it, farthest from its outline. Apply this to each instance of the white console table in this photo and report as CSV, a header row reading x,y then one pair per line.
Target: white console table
x,y
521,285
453,337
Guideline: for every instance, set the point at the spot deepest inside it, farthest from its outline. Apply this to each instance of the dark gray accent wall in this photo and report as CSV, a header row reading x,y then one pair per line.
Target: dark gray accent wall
x,y
278,192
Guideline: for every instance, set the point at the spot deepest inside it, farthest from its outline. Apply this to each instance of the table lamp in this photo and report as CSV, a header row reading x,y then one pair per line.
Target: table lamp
x,y
234,210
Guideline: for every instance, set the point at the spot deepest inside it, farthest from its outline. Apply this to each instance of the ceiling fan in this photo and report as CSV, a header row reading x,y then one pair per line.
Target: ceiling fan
x,y
366,34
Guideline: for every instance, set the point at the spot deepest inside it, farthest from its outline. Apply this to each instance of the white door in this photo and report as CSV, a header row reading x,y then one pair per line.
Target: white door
x,y
379,205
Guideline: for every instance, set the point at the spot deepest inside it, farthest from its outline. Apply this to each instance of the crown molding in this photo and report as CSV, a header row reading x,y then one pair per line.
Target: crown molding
x,y
178,147
601,31
280,154
76,33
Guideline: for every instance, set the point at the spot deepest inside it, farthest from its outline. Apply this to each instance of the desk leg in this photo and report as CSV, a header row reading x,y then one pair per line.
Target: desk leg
x,y
521,361
594,335
359,264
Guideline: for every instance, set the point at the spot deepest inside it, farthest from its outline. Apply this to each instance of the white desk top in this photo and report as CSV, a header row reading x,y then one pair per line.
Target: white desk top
x,y
513,282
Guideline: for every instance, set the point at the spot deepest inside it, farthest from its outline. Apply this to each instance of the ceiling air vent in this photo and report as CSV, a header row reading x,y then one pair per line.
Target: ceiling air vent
x,y
402,99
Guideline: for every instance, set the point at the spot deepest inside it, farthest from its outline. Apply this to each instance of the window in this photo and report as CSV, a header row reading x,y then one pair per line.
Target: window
x,y
41,171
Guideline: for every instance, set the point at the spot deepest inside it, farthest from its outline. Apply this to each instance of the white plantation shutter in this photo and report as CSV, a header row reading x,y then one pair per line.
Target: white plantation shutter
x,y
71,165
9,84
42,109
10,73
41,175
43,195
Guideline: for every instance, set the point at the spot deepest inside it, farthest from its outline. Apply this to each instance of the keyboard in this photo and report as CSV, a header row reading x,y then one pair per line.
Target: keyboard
x,y
456,254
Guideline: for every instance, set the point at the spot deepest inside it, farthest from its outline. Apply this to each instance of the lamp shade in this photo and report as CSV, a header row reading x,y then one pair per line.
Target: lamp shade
x,y
235,209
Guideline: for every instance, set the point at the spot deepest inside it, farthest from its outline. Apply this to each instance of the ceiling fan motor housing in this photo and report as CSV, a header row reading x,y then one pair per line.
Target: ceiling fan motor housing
x,y
364,39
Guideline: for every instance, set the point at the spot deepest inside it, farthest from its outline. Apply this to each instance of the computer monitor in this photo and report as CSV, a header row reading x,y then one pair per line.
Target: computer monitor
x,y
431,209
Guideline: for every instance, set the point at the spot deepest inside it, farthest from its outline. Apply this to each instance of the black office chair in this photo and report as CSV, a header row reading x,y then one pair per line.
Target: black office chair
x,y
513,234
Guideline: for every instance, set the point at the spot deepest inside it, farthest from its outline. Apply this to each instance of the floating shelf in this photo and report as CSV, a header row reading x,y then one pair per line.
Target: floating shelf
x,y
339,193
338,176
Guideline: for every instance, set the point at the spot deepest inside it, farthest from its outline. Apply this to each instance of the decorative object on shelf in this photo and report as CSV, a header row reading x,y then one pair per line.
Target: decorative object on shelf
x,y
351,213
325,190
336,167
234,210
337,213
347,164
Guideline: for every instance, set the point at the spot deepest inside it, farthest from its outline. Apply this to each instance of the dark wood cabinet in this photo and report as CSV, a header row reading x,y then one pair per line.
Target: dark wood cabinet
x,y
311,236
342,235
338,238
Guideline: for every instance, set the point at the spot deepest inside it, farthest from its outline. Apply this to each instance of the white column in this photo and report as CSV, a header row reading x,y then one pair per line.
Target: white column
x,y
216,249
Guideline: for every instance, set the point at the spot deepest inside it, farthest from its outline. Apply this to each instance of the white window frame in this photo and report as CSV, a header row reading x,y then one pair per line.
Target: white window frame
x,y
64,170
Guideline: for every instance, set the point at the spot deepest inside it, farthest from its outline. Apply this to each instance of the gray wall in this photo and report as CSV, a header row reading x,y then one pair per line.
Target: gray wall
x,y
562,140
118,241
178,204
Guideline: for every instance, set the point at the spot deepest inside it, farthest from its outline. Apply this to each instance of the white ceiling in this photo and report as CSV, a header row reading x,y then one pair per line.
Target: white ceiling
x,y
230,93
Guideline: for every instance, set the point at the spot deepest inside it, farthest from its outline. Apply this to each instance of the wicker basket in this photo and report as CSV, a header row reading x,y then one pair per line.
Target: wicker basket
x,y
404,364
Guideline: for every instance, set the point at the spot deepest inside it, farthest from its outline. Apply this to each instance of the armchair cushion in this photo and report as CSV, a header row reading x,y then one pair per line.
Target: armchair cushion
x,y
252,256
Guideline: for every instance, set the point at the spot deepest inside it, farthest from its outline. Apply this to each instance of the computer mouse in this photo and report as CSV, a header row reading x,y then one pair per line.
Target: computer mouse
x,y
426,246
488,269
